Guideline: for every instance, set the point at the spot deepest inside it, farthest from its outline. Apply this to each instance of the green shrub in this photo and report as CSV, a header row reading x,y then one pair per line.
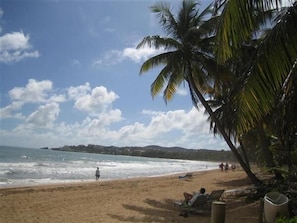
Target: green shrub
x,y
286,220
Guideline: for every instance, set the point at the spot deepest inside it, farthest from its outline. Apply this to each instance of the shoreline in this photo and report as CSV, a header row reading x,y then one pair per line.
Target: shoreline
x,y
146,199
9,186
87,182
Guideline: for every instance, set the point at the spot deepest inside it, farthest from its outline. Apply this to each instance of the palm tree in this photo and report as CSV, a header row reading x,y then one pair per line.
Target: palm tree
x,y
270,86
275,61
225,102
187,58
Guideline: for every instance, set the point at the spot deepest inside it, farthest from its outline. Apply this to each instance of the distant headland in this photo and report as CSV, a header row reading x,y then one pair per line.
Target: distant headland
x,y
153,151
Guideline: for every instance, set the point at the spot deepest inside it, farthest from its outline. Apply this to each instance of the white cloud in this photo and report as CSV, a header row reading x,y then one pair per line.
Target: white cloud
x,y
182,91
98,100
76,63
97,62
113,57
9,110
138,55
100,124
34,92
15,47
162,124
110,58
190,122
173,128
149,112
96,124
44,116
79,91
14,41
57,98
16,56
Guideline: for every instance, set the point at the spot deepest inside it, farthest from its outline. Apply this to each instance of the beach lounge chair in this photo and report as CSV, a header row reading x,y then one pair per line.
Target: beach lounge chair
x,y
202,203
215,195
198,204
187,175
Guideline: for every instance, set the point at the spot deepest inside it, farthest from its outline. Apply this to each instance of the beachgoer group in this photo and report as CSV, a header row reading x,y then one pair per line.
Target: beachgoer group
x,y
226,166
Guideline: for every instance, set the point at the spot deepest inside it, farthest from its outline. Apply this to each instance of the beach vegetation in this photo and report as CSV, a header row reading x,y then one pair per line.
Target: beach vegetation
x,y
266,101
238,59
154,152
187,59
286,220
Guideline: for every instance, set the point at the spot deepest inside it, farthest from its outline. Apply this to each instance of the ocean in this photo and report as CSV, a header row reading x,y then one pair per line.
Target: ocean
x,y
28,167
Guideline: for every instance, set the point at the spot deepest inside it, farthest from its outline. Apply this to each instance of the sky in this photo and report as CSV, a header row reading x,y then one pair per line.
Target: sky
x,y
69,75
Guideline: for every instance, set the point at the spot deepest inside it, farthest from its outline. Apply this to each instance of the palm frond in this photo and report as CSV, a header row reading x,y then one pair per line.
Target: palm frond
x,y
167,20
159,82
204,15
175,80
171,75
239,21
155,61
158,42
186,18
276,58
208,27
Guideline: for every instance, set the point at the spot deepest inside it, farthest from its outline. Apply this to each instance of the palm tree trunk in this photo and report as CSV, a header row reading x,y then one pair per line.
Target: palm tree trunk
x,y
265,143
227,139
244,153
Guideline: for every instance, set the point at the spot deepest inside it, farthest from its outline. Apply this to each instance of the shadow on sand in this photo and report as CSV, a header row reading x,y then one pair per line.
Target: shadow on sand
x,y
164,211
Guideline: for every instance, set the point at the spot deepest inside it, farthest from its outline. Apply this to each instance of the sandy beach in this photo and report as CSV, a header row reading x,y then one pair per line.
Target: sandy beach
x,y
131,200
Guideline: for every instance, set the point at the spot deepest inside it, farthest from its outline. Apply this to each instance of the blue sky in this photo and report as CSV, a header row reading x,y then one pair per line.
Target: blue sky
x,y
70,75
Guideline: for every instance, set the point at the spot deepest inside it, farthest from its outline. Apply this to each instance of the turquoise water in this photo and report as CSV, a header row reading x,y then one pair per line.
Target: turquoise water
x,y
25,166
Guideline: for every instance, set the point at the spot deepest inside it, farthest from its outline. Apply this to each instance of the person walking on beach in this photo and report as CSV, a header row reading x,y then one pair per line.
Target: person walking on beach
x,y
226,167
97,174
222,166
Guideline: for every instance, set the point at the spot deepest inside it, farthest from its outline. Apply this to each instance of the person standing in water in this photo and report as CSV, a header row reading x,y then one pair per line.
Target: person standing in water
x,y
97,174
